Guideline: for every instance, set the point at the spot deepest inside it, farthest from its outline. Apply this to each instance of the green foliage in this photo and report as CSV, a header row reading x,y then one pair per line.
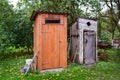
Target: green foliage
x,y
108,20
91,7
106,36
116,34
16,28
5,23
15,50
114,11
10,70
22,33
107,29
102,56
112,57
11,52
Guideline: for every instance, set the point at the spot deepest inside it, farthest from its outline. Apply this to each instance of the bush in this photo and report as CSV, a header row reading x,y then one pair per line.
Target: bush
x,y
13,51
102,55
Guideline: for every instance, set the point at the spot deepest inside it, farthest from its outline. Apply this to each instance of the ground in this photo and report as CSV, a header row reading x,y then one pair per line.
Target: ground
x,y
110,70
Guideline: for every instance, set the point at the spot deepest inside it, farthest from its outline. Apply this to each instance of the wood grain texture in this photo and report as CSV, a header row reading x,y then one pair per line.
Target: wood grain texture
x,y
51,41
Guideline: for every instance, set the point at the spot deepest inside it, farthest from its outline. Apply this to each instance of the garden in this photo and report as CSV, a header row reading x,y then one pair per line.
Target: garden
x,y
102,70
17,43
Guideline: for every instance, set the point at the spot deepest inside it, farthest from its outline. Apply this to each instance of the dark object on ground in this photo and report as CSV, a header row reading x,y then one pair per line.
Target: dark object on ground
x,y
23,69
102,56
104,45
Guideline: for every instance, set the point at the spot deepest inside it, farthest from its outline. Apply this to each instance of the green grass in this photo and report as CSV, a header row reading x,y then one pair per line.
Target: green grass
x,y
10,70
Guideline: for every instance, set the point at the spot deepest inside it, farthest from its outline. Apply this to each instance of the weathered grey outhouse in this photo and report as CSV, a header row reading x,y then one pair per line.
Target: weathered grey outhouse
x,y
84,41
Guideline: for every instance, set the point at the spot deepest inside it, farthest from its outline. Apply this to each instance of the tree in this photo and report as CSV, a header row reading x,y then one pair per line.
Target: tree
x,y
16,27
106,24
114,11
6,22
108,20
22,32
25,8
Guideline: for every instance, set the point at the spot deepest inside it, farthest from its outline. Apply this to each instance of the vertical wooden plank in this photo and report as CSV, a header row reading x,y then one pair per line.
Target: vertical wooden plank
x,y
63,43
65,25
51,42
49,53
34,29
39,41
45,45
57,46
52,55
36,38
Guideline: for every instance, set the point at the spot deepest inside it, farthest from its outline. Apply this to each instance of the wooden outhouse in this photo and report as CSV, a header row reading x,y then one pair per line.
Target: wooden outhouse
x,y
50,39
84,41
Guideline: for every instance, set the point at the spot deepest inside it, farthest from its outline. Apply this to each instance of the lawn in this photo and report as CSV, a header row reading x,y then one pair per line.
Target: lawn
x,y
110,70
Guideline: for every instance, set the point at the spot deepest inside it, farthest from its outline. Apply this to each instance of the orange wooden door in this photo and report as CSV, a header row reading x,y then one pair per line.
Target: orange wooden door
x,y
50,46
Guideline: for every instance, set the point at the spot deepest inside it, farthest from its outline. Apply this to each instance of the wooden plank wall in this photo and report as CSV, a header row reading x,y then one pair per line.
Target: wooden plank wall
x,y
51,41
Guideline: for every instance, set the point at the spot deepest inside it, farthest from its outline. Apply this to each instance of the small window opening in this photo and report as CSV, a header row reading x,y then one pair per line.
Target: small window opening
x,y
52,21
88,23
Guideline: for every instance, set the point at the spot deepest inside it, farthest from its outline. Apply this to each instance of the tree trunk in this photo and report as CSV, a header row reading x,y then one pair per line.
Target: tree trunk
x,y
28,50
